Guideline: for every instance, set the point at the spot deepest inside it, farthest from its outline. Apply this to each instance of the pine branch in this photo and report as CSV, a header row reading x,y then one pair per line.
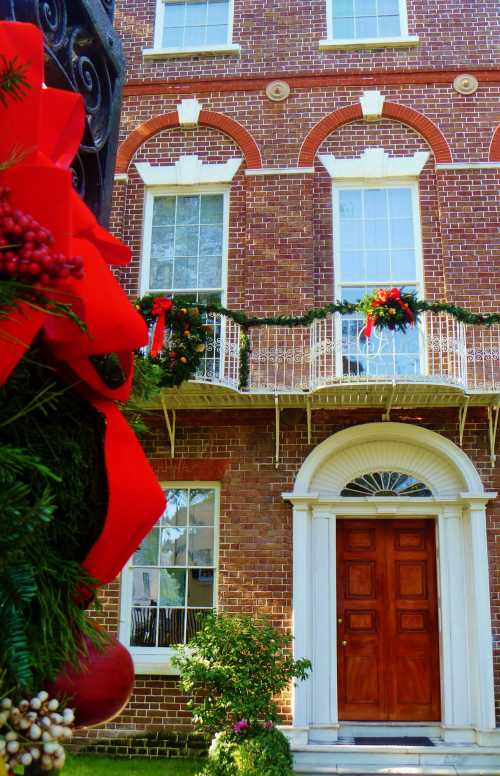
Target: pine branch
x,y
13,82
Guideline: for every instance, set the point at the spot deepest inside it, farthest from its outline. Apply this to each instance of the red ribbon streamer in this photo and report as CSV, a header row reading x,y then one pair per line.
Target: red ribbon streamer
x,y
161,305
383,297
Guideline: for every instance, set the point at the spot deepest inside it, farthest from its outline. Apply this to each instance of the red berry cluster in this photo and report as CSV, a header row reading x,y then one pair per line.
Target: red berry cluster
x,y
27,249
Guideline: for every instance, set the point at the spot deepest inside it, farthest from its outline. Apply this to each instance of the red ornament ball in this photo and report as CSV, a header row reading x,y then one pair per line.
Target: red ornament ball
x,y
100,687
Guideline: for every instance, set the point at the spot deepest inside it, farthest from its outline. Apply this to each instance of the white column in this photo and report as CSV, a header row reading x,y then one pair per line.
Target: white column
x,y
302,614
483,700
324,605
454,653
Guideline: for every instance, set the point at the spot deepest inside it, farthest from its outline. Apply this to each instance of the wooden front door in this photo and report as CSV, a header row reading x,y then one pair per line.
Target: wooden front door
x,y
388,653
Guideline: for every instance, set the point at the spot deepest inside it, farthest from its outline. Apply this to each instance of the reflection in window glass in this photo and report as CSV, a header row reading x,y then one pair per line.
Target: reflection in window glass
x,y
195,23
174,570
366,18
376,250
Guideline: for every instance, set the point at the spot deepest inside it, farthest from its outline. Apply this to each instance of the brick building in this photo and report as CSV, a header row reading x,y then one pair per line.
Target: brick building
x,y
277,156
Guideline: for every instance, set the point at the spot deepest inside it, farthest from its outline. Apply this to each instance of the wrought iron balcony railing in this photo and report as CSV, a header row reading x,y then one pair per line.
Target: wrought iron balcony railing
x,y
83,54
332,351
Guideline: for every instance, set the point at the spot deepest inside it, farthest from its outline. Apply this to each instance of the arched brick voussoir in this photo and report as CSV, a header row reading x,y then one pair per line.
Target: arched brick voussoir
x,y
494,155
424,126
323,128
207,118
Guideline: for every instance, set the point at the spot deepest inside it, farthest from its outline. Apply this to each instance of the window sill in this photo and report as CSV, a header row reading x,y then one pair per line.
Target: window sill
x,y
225,49
158,665
404,41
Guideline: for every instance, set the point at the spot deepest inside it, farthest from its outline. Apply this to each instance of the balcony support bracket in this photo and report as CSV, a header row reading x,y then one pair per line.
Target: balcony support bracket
x,y
462,417
493,413
170,424
309,420
388,407
277,411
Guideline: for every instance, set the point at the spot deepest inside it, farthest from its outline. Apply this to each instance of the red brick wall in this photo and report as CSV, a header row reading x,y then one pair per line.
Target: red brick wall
x,y
280,250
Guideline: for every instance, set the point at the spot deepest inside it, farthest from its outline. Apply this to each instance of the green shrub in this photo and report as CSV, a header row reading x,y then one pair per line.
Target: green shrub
x,y
235,665
259,753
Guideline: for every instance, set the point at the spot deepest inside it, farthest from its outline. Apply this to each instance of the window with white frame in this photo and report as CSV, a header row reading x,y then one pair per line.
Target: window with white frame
x,y
185,244
377,244
170,581
187,24
368,21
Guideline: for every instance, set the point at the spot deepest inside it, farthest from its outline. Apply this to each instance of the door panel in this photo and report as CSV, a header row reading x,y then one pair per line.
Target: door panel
x,y
388,660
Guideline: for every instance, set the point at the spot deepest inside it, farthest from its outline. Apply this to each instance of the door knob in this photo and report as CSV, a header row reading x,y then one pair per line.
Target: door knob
x,y
344,643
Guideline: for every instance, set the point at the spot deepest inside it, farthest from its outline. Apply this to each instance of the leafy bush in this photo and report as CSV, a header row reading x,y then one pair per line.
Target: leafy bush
x,y
259,753
235,665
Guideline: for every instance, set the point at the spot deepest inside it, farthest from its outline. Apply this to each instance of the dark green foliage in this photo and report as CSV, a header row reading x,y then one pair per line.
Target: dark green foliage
x,y
235,665
259,753
13,81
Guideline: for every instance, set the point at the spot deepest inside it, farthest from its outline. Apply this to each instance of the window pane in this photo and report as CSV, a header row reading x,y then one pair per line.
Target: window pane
x,y
401,233
185,275
351,235
188,210
170,627
375,203
376,234
343,8
343,28
217,12
161,275
400,203
353,294
143,628
196,14
366,27
388,7
209,274
350,204
403,265
212,209
202,507
163,211
353,266
194,36
195,619
217,33
176,509
365,7
389,26
145,587
186,241
210,240
173,546
377,266
147,553
201,547
200,587
173,37
162,242
174,14
172,587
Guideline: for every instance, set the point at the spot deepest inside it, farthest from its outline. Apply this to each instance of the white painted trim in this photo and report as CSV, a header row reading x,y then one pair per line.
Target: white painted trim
x,y
157,660
193,51
188,112
467,166
121,177
188,171
403,19
464,603
159,51
330,44
149,194
280,171
372,104
375,163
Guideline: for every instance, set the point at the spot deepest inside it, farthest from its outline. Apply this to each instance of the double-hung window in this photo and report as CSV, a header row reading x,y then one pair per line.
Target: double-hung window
x,y
377,244
371,23
170,581
185,27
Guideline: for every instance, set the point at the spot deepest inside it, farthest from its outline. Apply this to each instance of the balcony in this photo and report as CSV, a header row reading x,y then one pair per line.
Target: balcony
x,y
441,362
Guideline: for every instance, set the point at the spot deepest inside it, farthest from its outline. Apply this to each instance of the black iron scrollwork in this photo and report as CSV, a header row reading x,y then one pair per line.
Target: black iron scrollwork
x,y
83,54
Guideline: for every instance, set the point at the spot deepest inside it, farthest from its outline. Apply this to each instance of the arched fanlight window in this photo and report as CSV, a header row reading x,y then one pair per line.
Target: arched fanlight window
x,y
386,484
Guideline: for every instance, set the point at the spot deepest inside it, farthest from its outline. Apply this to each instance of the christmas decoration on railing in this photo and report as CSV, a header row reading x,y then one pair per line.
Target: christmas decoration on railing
x,y
77,494
32,731
392,309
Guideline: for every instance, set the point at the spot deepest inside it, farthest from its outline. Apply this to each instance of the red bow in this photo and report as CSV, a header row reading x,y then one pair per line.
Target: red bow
x,y
383,297
161,305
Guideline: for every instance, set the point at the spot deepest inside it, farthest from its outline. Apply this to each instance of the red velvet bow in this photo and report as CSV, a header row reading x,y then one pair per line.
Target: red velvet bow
x,y
44,131
161,305
383,297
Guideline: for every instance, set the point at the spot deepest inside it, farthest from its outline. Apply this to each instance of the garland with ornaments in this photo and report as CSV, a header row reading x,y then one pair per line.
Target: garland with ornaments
x,y
179,336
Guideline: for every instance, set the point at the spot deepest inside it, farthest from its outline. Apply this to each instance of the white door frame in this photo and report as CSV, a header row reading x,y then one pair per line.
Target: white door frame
x,y
459,508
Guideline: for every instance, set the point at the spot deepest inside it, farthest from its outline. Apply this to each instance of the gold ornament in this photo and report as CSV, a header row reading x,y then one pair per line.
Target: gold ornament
x,y
187,332
200,348
392,311
183,360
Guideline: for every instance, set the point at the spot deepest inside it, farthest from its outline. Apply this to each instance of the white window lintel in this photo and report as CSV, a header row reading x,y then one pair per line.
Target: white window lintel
x,y
188,171
401,41
375,163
